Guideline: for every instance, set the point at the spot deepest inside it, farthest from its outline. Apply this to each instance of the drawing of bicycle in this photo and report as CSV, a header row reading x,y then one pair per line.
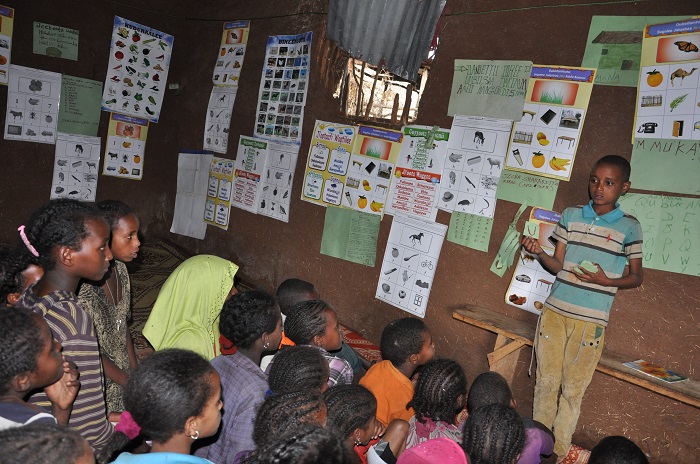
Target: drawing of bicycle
x,y
428,264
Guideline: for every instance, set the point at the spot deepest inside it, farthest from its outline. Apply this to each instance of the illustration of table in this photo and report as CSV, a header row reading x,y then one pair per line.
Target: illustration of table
x,y
544,282
566,138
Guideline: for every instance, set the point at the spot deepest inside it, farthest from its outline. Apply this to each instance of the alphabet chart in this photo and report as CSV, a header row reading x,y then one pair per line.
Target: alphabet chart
x,y
76,166
32,105
470,230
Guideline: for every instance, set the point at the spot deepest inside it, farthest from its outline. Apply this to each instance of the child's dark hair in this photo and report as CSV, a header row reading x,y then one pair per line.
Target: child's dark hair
x,y
304,444
298,368
19,344
293,291
349,407
488,388
439,386
279,413
113,211
402,338
11,280
617,450
493,434
247,315
619,162
306,320
41,443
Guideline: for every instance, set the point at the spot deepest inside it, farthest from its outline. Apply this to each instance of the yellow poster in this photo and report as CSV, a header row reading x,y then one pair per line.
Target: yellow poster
x,y
7,17
126,147
229,62
218,205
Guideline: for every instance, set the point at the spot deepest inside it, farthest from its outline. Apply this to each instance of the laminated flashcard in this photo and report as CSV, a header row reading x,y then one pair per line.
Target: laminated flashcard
x,y
218,204
76,167
229,60
7,17
33,96
218,121
126,147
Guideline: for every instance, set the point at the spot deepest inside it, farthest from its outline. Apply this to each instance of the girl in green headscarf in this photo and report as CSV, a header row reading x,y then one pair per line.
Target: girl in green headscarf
x,y
186,312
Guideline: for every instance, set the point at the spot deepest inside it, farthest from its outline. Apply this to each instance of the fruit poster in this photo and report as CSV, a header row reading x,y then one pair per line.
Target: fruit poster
x,y
229,61
545,141
7,17
126,147
76,167
33,96
410,260
282,95
218,204
218,121
415,189
277,182
139,58
476,155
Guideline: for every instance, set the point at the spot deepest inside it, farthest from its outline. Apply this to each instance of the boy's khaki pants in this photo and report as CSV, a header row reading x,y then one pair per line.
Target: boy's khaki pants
x,y
568,351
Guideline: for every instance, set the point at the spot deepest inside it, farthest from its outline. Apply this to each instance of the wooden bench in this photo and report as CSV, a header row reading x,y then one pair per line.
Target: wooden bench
x,y
512,335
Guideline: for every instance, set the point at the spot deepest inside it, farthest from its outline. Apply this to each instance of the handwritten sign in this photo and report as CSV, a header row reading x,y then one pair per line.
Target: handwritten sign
x,y
519,186
350,235
489,88
666,165
670,226
79,112
56,41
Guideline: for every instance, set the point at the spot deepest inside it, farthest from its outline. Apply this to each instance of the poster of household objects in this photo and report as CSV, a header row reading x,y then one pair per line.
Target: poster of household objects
x,y
126,147
33,96
229,61
218,120
76,166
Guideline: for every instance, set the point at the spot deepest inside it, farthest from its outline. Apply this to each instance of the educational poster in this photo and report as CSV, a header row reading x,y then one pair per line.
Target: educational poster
x,y
190,198
7,17
248,170
668,93
33,96
475,160
76,167
139,58
544,142
79,111
665,165
218,204
282,94
229,61
416,186
470,230
276,184
519,187
218,121
55,41
126,147
409,263
350,235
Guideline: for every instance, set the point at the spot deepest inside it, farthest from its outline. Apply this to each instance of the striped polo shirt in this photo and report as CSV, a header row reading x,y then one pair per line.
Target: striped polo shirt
x,y
72,326
610,240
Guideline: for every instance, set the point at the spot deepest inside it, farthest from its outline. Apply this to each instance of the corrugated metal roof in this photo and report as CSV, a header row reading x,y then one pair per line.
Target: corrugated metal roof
x,y
398,32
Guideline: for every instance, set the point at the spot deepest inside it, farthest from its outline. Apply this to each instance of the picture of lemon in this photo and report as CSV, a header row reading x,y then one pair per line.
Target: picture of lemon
x,y
544,142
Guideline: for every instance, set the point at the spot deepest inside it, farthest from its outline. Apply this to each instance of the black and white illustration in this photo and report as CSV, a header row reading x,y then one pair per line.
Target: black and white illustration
x,y
76,167
278,180
218,120
32,105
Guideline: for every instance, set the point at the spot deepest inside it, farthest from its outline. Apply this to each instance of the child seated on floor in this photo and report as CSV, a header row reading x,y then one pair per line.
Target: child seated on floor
x,y
298,368
45,443
491,388
617,450
493,434
15,277
304,444
406,344
441,392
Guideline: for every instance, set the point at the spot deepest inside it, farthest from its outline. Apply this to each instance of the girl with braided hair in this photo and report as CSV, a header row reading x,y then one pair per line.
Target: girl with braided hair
x,y
44,443
279,413
493,434
304,444
440,394
298,368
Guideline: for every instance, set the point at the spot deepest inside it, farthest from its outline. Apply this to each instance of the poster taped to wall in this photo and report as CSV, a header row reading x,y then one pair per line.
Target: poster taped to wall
x,y
126,147
190,198
218,121
218,204
76,167
33,97
7,17
229,61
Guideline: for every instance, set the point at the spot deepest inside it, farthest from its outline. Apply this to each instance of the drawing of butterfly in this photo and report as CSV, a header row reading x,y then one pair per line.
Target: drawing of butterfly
x,y
686,46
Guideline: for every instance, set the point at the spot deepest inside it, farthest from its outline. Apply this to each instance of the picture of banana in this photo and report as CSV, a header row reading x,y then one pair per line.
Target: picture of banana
x,y
559,164
376,207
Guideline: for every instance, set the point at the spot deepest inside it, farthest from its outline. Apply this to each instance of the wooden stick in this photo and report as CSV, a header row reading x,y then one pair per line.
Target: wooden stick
x,y
371,94
407,104
360,90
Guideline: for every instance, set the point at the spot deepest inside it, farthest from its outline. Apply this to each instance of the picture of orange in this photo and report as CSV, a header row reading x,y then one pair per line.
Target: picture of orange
x,y
654,78
362,202
3,59
537,159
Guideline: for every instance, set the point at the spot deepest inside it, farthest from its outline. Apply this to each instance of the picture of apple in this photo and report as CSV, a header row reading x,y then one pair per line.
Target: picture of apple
x,y
136,37
119,55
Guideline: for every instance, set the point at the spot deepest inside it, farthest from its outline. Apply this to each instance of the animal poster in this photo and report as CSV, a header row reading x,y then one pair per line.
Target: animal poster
x,y
410,259
218,204
277,182
139,59
476,155
416,186
218,121
283,88
76,167
229,60
545,140
7,17
668,94
126,147
248,170
33,96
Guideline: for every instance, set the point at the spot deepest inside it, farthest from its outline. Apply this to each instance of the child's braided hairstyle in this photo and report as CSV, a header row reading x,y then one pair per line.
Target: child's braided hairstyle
x,y
247,315
349,407
19,344
493,434
304,444
306,320
279,413
41,443
439,386
298,368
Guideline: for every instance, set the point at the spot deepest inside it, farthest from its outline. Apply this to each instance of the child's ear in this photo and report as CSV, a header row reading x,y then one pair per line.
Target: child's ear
x,y
318,340
413,359
13,298
21,382
626,186
65,255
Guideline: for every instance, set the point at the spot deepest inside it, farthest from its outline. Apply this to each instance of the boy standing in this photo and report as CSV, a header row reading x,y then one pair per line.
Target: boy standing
x,y
594,243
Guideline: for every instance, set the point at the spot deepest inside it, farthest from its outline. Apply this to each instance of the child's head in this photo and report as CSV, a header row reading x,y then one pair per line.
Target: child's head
x,y
488,388
251,317
279,413
15,277
313,322
299,368
45,443
434,451
29,356
440,391
617,162
124,225
617,450
304,444
407,340
293,291
351,412
609,179
493,434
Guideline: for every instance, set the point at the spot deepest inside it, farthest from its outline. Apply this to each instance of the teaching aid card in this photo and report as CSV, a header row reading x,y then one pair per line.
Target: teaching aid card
x,y
139,59
249,168
229,61
416,186
409,264
545,140
470,230
350,235
475,159
79,111
7,17
277,182
218,204
126,147
218,121
33,96
76,166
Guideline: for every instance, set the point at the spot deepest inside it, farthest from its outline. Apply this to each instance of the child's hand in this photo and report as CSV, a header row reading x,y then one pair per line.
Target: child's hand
x,y
599,277
379,429
532,245
63,392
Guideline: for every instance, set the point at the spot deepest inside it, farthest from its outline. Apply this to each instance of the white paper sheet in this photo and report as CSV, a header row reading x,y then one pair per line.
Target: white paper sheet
x,y
192,181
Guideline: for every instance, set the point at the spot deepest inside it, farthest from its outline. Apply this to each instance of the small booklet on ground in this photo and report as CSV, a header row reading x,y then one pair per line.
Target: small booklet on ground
x,y
655,371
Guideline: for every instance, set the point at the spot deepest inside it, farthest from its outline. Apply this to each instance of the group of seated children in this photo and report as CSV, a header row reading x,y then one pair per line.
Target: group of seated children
x,y
203,396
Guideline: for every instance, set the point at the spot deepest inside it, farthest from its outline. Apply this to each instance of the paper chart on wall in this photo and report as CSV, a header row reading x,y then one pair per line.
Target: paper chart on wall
x,y
545,141
283,88
248,170
217,209
470,230
277,183
139,59
7,17
229,60
415,189
33,97
218,121
76,167
126,147
475,159
190,198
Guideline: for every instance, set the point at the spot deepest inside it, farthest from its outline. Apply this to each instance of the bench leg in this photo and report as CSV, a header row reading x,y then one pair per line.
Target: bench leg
x,y
504,357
